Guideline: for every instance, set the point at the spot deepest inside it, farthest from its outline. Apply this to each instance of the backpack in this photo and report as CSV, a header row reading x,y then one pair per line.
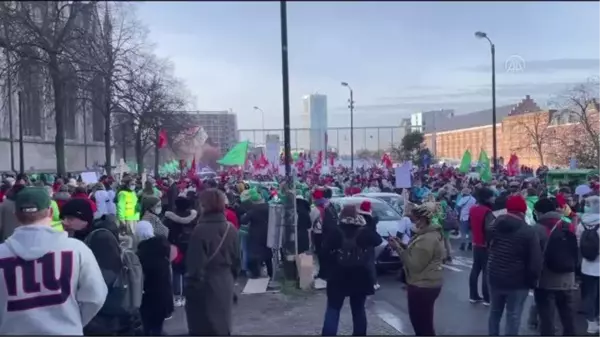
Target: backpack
x,y
350,254
589,243
125,294
450,221
560,248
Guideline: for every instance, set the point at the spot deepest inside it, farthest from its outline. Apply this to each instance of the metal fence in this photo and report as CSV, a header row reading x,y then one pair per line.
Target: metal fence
x,y
365,138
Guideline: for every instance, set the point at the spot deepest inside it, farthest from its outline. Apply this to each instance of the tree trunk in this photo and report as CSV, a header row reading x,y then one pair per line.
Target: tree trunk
x,y
59,118
139,152
107,125
156,152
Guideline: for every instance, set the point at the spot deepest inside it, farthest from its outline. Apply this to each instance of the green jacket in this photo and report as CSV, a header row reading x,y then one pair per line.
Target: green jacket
x,y
423,257
127,206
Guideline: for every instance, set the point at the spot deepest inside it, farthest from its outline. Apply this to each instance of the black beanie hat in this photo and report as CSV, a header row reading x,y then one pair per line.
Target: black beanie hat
x,y
78,208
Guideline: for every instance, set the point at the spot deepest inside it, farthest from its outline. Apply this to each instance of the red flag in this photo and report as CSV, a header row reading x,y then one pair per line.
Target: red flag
x,y
162,139
512,167
331,158
386,160
192,170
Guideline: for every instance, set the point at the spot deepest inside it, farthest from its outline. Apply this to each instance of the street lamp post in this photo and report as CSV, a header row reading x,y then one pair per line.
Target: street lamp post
x,y
351,107
482,35
262,114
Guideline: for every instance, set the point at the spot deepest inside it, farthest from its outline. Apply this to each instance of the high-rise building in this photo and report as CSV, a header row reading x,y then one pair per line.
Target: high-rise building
x,y
315,118
220,127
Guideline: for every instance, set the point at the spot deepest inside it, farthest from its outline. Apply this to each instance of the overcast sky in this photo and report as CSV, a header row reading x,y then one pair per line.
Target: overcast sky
x,y
399,57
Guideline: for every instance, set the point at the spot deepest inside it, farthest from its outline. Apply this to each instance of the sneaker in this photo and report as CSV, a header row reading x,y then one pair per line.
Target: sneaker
x,y
182,300
170,316
593,327
320,283
474,300
486,303
178,302
376,286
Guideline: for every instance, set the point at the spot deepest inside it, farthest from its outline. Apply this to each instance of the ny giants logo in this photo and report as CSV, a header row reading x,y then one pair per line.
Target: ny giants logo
x,y
31,285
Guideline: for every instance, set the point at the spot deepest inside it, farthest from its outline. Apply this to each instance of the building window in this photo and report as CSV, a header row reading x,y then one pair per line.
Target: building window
x,y
32,82
97,109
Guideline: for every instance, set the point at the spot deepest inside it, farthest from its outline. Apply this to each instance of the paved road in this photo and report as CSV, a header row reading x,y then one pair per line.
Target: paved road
x,y
454,314
387,310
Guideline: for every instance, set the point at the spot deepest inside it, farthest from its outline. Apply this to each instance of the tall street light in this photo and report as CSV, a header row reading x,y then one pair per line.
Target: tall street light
x,y
482,35
351,107
262,114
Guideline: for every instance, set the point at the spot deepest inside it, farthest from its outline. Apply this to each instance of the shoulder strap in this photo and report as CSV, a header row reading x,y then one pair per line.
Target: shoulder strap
x,y
210,258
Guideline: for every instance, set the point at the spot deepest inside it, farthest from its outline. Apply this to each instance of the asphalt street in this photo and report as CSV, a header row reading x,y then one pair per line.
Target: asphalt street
x,y
387,310
454,314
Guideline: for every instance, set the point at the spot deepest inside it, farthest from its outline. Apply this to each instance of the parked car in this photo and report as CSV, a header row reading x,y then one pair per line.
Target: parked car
x,y
393,199
389,220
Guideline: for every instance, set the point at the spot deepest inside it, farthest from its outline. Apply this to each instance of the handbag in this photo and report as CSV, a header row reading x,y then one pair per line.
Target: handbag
x,y
214,254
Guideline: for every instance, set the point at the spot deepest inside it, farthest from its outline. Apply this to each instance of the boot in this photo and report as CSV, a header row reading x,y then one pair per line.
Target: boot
x,y
593,327
470,246
462,246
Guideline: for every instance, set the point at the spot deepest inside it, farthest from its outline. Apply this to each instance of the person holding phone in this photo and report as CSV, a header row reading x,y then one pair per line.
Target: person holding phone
x,y
422,259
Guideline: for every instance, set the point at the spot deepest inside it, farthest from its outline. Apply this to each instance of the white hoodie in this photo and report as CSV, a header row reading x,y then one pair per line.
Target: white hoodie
x,y
57,289
591,268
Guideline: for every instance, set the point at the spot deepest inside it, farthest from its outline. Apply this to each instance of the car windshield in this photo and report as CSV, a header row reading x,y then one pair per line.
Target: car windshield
x,y
382,210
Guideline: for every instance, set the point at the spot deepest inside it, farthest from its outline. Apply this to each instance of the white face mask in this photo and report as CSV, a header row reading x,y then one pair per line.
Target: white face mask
x,y
132,187
157,209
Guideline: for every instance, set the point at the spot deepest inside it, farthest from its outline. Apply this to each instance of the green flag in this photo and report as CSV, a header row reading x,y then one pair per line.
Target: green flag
x,y
485,172
236,156
465,163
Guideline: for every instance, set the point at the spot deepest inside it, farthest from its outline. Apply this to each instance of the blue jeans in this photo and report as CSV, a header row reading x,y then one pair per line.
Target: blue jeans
x,y
332,315
244,252
513,301
465,229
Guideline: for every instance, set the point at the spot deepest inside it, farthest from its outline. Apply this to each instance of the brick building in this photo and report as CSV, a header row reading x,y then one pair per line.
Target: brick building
x,y
524,129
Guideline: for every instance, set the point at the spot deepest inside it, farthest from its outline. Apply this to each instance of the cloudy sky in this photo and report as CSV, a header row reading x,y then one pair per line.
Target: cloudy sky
x,y
399,57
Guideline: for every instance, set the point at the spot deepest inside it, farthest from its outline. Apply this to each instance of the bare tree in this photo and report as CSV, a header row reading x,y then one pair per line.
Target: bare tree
x,y
44,33
579,138
538,135
106,57
150,97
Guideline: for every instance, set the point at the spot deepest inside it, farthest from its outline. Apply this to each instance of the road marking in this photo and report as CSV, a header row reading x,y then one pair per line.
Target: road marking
x,y
385,312
460,263
451,268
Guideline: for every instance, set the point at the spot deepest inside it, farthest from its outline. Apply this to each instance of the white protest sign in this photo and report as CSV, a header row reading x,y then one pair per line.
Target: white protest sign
x,y
89,177
403,176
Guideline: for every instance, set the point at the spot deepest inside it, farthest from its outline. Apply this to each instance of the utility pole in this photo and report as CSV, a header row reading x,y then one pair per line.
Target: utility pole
x,y
289,229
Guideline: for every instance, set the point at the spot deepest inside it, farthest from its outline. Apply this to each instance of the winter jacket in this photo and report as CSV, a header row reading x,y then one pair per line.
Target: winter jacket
x,y
232,217
181,225
127,206
422,259
86,198
157,301
515,256
548,279
591,268
8,220
349,281
105,203
257,219
304,224
159,228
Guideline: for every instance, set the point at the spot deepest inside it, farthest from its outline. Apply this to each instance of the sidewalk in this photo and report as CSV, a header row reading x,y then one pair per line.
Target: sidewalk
x,y
297,313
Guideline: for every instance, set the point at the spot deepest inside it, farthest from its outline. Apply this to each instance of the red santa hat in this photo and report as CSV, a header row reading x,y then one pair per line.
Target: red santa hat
x,y
365,208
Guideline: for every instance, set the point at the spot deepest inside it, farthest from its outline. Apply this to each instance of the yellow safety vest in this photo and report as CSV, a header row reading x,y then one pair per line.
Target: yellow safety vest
x,y
126,206
56,223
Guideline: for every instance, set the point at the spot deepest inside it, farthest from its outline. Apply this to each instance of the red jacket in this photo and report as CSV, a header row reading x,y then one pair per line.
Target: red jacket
x,y
87,198
477,215
232,217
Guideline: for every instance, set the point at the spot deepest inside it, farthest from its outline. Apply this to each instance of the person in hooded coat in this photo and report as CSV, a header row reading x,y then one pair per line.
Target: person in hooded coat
x,y
181,222
157,301
212,264
104,202
62,196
